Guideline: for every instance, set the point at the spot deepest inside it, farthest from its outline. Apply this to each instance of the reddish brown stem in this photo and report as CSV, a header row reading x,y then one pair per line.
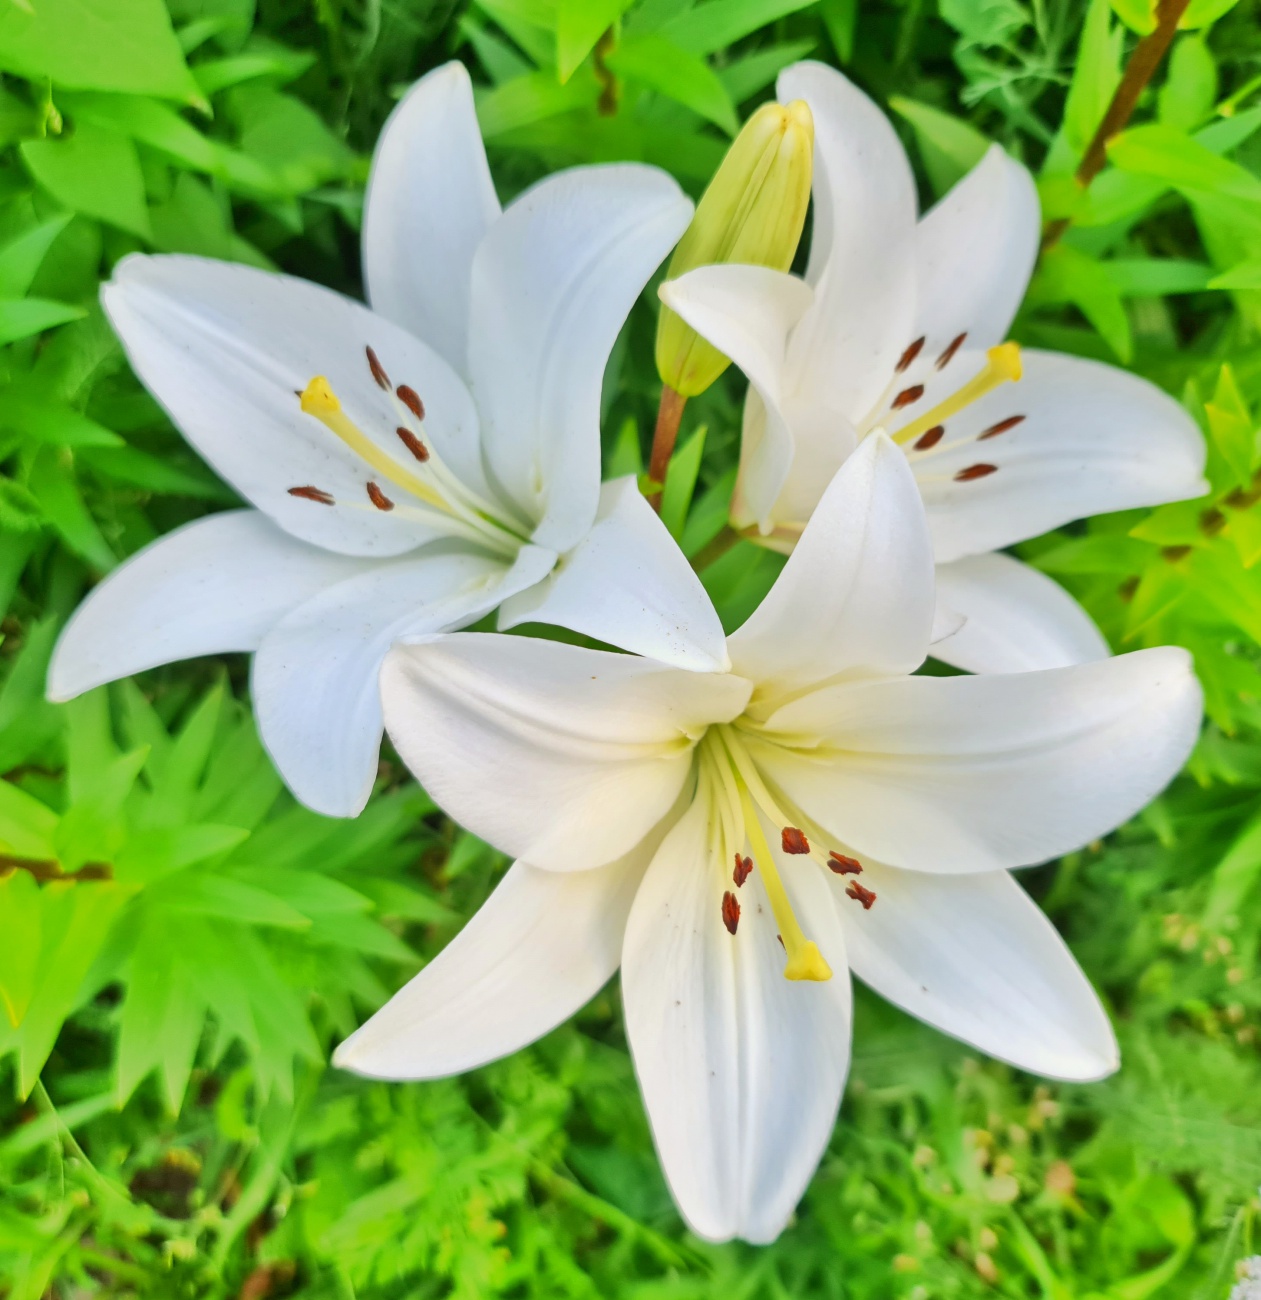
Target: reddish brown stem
x,y
669,416
1138,72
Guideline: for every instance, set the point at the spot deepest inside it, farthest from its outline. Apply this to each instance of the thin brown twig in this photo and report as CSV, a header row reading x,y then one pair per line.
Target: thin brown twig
x,y
1138,72
664,436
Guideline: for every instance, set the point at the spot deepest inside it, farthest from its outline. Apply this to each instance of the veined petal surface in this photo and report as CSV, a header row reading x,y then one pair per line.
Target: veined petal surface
x,y
856,596
562,756
430,200
213,586
977,958
966,774
628,584
741,1069
553,282
314,677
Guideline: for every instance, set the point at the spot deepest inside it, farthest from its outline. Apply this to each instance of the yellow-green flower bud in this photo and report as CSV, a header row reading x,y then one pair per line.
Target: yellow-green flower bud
x,y
752,212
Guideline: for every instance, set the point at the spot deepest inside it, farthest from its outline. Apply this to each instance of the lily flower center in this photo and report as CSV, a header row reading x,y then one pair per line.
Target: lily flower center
x,y
459,509
740,804
1002,365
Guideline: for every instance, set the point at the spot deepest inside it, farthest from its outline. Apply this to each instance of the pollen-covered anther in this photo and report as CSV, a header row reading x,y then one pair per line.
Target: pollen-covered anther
x,y
744,866
1001,427
413,444
378,498
378,370
844,866
411,399
907,396
930,438
309,493
730,911
951,348
975,472
910,354
794,841
861,894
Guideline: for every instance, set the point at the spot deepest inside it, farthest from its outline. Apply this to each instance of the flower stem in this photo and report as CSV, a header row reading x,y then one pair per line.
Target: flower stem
x,y
1138,72
715,548
669,416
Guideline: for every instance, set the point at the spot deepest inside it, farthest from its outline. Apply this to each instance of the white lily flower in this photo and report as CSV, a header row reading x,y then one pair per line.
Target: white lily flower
x,y
410,468
685,824
899,325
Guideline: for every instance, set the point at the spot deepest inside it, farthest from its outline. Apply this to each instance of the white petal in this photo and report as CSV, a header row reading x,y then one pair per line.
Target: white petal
x,y
1094,439
823,440
553,281
966,774
543,944
741,1069
628,584
225,348
856,595
862,261
747,313
430,200
212,586
974,956
974,255
563,756
314,678
1016,619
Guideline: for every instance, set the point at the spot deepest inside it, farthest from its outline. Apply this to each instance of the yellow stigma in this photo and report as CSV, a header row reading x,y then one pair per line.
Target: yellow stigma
x,y
1002,365
752,212
805,961
318,398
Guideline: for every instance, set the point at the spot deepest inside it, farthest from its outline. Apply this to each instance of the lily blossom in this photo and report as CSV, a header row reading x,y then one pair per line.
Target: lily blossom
x,y
899,325
812,811
409,468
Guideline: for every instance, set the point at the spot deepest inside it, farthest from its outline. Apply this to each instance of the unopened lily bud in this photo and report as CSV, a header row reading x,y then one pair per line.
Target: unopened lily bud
x,y
752,212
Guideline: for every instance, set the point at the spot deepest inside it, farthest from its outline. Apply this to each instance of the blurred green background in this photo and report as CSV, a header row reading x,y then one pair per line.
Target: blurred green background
x,y
181,945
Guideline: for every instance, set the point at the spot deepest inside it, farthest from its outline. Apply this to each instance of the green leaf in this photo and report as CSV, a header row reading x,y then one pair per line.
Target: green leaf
x,y
1182,162
22,317
53,485
1065,274
1190,90
1246,275
579,24
680,483
1200,13
950,147
677,74
626,456
97,45
21,933
713,26
708,516
1095,76
21,256
1151,277
93,170
1231,427
1138,15
744,77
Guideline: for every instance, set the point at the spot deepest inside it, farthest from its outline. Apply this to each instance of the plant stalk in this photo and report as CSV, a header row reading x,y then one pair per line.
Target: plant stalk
x,y
664,436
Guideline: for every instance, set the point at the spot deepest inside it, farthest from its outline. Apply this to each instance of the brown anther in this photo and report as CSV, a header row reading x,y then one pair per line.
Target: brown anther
x,y
312,494
1175,553
782,944
378,498
730,912
844,866
743,867
411,399
412,443
1001,427
954,345
1127,590
1212,522
794,841
907,396
861,894
378,370
974,472
930,437
910,354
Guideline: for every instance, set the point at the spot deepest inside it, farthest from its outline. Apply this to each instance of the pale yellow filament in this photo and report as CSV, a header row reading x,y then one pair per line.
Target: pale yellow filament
x,y
1003,364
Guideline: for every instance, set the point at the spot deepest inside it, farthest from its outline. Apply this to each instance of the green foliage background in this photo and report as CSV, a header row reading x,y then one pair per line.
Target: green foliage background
x,y
181,945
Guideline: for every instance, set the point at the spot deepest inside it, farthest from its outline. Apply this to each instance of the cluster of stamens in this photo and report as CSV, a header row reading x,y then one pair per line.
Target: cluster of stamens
x,y
741,799
927,432
435,487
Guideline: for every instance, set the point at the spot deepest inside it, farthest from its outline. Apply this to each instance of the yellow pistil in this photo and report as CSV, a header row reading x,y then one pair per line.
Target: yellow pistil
x,y
805,961
319,400
1003,365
